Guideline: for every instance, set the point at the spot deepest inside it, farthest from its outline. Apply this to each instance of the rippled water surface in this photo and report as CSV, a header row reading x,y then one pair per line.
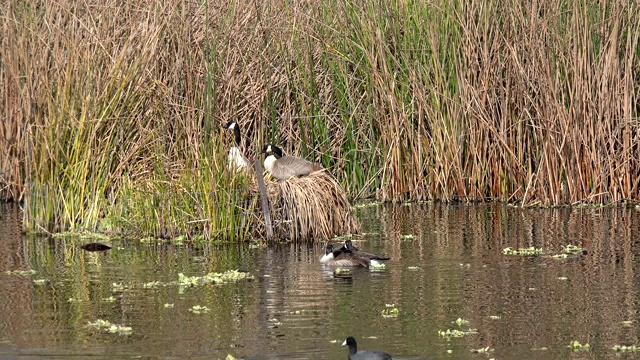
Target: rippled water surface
x,y
447,264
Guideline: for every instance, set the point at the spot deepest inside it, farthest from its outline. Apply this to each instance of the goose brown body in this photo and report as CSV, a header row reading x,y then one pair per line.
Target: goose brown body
x,y
343,257
373,258
284,167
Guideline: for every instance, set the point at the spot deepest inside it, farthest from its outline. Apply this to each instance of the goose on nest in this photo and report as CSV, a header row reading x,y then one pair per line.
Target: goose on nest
x,y
284,167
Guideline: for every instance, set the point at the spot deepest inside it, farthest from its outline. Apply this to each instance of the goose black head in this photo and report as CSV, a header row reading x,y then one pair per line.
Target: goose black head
x,y
232,125
272,150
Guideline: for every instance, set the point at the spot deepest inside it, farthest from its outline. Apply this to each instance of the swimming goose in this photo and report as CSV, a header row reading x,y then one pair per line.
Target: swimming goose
x,y
284,167
235,155
342,257
328,252
354,354
376,260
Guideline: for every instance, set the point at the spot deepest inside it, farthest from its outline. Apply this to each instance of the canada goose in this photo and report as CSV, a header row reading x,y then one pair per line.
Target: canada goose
x,y
354,354
376,260
284,167
343,257
328,252
235,155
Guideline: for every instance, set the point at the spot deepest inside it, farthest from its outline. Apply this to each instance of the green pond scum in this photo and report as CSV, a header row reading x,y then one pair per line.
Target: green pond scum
x,y
625,348
107,326
577,346
449,333
198,309
213,278
568,251
532,250
21,272
390,311
483,350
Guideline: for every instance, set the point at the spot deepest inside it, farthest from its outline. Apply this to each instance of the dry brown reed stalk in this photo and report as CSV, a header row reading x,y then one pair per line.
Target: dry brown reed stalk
x,y
309,208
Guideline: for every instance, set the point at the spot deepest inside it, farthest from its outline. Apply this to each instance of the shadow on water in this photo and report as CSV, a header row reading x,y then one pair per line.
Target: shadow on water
x,y
446,264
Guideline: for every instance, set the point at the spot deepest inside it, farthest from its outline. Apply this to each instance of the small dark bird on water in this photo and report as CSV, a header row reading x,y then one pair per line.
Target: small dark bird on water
x,y
354,354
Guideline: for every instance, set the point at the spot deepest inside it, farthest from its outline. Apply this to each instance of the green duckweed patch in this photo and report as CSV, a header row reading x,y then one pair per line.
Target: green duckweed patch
x,y
343,237
572,249
21,272
368,204
625,348
390,311
107,326
568,251
483,350
456,333
577,346
198,309
151,285
117,287
228,276
532,250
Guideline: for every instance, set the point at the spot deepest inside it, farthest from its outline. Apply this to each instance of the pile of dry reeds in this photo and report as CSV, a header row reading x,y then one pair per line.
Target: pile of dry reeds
x,y
308,208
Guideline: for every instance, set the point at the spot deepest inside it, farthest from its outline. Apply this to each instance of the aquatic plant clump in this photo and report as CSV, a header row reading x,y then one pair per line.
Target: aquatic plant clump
x,y
21,272
568,252
198,309
107,326
577,346
214,278
390,311
625,348
456,333
532,250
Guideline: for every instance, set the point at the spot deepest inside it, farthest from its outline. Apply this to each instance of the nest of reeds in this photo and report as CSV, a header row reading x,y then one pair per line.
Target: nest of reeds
x,y
313,207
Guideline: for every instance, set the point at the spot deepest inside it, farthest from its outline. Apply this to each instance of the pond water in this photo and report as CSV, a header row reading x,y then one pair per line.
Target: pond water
x,y
447,264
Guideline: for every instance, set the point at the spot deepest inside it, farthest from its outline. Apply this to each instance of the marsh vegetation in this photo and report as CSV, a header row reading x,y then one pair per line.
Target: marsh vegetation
x,y
112,112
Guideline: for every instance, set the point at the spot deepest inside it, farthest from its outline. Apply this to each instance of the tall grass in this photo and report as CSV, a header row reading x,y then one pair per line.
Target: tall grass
x,y
112,112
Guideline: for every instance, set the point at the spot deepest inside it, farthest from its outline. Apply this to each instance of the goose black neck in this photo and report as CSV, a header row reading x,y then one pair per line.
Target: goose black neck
x,y
277,152
236,133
